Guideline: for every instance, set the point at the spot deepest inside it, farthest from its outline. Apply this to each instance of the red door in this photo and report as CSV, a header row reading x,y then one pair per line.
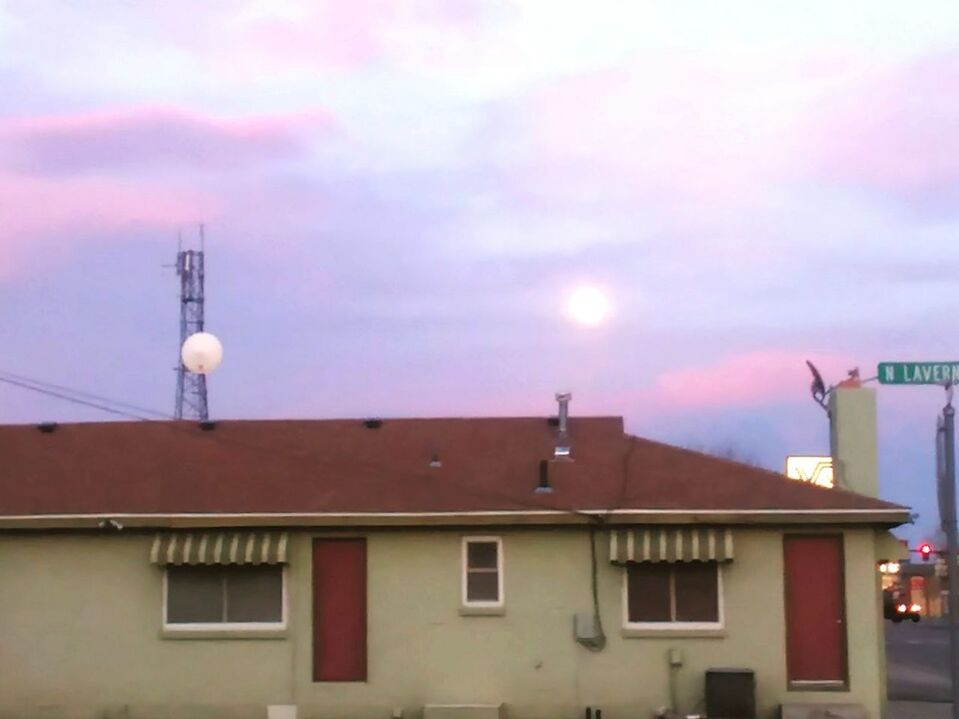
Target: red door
x,y
339,610
815,609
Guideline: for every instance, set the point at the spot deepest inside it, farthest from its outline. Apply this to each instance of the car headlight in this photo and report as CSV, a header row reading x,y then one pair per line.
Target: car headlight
x,y
901,608
915,608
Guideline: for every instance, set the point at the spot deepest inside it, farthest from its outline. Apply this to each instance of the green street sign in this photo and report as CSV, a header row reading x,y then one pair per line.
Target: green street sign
x,y
919,372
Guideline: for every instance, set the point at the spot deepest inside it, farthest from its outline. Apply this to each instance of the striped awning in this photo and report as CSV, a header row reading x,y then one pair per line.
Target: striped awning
x,y
671,544
219,548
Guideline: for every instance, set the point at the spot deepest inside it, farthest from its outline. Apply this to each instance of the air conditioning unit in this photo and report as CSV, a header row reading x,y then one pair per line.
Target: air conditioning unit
x,y
730,694
822,711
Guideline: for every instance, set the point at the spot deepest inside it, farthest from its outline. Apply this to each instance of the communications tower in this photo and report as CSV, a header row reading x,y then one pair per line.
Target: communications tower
x,y
191,402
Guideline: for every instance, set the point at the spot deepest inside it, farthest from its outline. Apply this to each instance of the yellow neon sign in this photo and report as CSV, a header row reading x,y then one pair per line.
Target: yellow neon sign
x,y
815,470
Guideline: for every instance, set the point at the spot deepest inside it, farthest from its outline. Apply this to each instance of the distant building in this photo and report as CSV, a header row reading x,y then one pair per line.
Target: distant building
x,y
918,583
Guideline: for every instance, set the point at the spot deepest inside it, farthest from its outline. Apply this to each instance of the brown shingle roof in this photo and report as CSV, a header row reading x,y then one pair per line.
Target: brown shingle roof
x,y
343,466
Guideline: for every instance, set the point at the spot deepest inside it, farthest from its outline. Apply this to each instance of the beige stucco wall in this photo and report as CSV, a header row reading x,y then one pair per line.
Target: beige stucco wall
x,y
854,440
80,634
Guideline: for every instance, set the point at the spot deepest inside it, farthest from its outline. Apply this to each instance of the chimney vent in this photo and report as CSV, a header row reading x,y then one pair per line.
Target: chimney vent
x,y
47,427
543,487
562,450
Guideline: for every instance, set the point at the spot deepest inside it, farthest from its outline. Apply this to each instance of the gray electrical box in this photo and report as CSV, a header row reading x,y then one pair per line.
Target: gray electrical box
x,y
585,628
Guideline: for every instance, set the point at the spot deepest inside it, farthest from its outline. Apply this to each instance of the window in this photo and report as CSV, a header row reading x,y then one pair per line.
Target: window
x,y
685,594
482,572
225,596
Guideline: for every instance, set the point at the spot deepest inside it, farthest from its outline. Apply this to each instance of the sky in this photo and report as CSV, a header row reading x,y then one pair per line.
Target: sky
x,y
401,196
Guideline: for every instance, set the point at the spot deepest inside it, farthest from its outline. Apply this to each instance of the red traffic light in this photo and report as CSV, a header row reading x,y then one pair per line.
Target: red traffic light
x,y
925,550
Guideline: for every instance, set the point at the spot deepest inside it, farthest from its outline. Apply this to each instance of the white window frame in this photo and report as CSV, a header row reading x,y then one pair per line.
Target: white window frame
x,y
464,571
693,626
227,626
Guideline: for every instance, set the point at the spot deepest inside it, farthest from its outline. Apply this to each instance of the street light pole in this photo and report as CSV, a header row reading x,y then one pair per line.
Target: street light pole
x,y
949,527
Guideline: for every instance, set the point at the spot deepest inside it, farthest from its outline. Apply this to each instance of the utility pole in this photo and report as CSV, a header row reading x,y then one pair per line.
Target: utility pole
x,y
948,519
191,400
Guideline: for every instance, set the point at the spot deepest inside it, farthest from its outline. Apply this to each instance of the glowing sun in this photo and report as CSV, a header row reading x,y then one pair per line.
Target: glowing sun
x,y
587,306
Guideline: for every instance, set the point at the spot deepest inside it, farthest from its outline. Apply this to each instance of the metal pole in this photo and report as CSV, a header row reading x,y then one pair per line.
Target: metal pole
x,y
949,526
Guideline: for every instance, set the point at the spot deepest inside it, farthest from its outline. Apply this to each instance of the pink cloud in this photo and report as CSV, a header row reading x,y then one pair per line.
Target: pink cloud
x,y
149,139
71,180
343,33
895,130
45,218
752,379
339,38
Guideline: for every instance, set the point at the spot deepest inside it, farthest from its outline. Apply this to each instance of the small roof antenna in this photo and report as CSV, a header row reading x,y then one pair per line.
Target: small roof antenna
x,y
818,387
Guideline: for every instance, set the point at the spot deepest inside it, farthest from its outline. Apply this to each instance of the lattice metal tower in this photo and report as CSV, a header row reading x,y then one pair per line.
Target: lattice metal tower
x,y
191,402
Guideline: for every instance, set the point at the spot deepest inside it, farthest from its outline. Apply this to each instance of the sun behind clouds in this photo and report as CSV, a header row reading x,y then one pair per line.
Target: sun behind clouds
x,y
588,306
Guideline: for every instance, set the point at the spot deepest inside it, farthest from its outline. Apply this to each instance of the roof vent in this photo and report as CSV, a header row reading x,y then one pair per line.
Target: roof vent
x,y
543,487
207,425
562,450
47,427
372,423
435,461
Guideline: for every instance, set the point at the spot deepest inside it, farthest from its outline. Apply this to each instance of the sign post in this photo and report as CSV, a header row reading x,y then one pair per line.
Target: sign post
x,y
948,519
944,374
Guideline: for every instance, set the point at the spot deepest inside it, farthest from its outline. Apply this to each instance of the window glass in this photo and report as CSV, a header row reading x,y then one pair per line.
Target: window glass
x,y
224,594
678,592
482,571
254,594
696,596
481,555
482,587
194,594
649,593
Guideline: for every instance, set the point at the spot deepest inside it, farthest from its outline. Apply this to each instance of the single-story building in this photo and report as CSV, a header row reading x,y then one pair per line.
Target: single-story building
x,y
529,567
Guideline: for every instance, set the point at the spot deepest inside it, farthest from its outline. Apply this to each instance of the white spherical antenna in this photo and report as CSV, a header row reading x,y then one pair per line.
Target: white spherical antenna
x,y
201,353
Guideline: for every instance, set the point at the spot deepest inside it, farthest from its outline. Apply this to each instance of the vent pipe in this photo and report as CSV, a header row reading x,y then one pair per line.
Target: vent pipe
x,y
543,487
561,451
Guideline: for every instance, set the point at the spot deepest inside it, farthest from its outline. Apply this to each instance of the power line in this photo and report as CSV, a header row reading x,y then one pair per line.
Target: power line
x,y
81,393
74,400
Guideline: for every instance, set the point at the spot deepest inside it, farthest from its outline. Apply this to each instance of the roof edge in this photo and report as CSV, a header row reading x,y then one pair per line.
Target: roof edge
x,y
779,517
770,474
233,421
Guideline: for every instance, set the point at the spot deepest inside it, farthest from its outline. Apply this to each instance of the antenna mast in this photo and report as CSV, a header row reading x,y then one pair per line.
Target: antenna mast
x,y
191,402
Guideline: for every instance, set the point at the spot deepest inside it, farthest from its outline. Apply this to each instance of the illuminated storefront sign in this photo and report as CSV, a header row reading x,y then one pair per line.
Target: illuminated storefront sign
x,y
815,470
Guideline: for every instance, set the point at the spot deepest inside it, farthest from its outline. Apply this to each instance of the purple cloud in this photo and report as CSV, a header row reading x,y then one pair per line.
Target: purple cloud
x,y
44,218
148,140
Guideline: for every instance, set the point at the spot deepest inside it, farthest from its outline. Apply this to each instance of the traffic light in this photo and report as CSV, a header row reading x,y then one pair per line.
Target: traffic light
x,y
925,551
